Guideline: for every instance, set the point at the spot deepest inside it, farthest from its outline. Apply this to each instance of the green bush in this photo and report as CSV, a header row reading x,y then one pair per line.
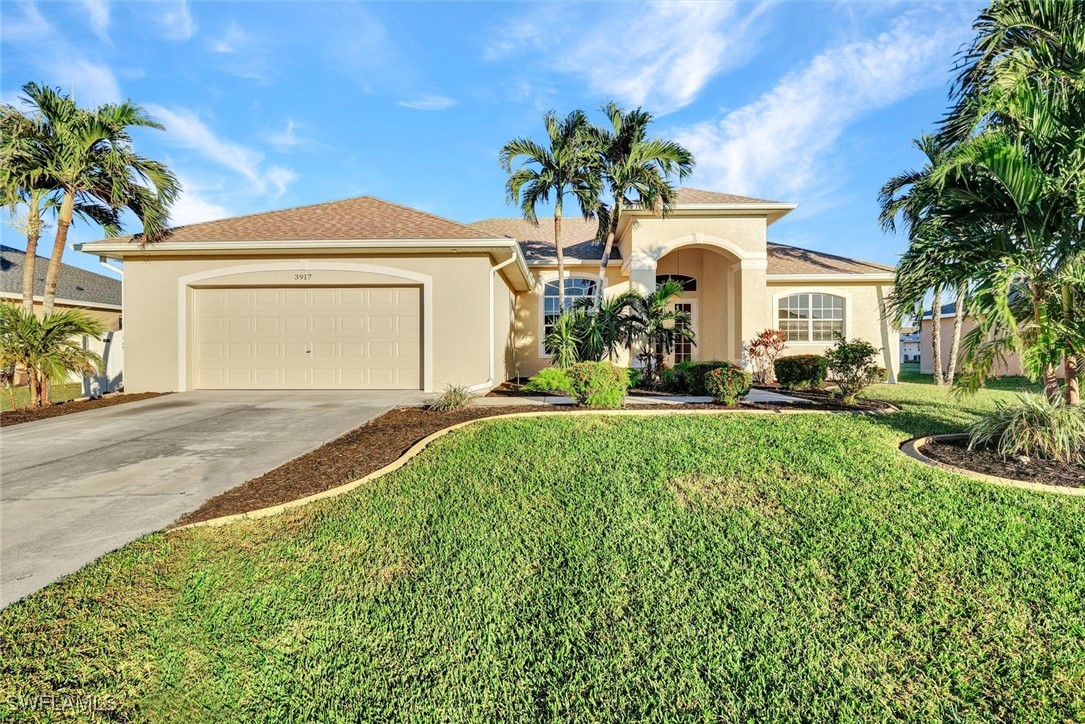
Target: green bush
x,y
452,399
690,376
728,384
636,377
881,376
668,379
550,379
853,366
1033,426
598,384
801,371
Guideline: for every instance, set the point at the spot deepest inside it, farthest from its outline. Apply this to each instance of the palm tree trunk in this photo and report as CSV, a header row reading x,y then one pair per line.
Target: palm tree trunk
x,y
52,274
1072,366
33,231
560,251
936,335
955,342
608,249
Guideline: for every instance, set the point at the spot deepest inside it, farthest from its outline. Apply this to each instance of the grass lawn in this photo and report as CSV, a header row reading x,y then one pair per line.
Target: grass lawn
x,y
57,393
741,567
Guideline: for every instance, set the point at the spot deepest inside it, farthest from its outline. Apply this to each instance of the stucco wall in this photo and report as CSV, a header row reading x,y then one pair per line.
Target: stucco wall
x,y
862,318
154,356
651,236
1011,368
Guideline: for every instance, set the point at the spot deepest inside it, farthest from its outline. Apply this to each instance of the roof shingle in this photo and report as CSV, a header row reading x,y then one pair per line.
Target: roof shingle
x,y
78,285
700,196
785,259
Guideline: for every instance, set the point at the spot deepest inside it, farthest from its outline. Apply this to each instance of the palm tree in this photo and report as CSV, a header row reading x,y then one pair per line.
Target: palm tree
x,y
955,341
49,348
637,170
657,326
568,167
89,156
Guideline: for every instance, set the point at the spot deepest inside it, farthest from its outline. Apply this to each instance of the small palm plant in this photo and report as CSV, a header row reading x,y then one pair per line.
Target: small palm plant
x,y
49,348
657,326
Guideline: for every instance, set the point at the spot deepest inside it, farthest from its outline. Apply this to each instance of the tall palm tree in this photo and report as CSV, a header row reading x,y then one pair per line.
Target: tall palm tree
x,y
89,156
49,348
568,166
637,170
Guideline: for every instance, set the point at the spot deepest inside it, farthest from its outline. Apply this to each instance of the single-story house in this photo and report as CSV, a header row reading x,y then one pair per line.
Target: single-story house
x,y
98,294
910,349
365,293
1010,367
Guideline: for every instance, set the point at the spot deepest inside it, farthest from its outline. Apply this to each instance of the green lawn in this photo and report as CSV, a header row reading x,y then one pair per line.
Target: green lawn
x,y
731,568
57,393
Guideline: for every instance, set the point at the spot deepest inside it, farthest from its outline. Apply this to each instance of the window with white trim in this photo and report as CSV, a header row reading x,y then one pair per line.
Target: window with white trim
x,y
811,317
575,288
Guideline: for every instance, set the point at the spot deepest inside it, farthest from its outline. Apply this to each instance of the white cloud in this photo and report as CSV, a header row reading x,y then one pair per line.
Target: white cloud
x,y
193,207
429,102
58,62
175,20
667,52
286,139
781,143
184,128
98,10
233,40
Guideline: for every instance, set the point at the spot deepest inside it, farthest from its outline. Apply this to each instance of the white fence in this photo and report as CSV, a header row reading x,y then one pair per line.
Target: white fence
x,y
111,349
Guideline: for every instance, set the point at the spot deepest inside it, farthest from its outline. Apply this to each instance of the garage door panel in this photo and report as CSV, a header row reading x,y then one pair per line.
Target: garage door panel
x,y
317,338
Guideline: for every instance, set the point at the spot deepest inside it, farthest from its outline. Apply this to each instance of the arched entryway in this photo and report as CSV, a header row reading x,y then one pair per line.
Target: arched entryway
x,y
709,276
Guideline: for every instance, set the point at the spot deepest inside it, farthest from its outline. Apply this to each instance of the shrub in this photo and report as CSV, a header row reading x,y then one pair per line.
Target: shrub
x,y
690,376
762,352
801,371
452,399
598,384
881,376
550,379
1033,426
728,384
852,364
636,377
668,379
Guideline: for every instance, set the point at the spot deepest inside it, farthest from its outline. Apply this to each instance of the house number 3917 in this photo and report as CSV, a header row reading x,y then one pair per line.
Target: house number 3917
x,y
302,277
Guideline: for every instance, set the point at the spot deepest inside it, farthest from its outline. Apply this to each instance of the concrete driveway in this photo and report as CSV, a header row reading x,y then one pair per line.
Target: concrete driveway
x,y
75,487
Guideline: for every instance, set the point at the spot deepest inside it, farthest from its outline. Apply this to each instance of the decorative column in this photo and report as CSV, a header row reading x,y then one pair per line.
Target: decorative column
x,y
755,302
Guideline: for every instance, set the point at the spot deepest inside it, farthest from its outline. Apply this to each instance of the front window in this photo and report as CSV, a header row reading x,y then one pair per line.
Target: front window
x,y
811,317
575,288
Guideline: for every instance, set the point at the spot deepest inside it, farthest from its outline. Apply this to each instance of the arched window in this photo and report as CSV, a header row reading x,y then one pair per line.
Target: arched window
x,y
575,288
811,317
688,283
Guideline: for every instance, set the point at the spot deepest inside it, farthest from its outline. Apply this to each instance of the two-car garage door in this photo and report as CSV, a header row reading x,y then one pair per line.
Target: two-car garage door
x,y
306,338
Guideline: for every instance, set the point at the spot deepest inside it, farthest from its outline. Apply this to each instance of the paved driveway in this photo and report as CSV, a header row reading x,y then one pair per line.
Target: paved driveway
x,y
75,487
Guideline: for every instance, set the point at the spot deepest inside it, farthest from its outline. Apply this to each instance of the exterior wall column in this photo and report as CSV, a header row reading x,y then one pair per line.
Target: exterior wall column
x,y
642,276
755,303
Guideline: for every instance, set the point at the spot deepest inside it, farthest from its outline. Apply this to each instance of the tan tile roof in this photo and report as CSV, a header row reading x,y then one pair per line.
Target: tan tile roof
x,y
785,259
361,218
537,242
699,196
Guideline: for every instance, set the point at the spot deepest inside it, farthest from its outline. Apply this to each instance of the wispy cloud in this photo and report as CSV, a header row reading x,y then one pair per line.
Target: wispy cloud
x,y
289,137
782,142
185,129
98,10
241,53
175,21
429,102
41,45
192,206
667,52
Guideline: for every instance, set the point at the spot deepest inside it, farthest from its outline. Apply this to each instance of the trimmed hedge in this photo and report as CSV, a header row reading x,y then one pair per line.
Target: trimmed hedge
x,y
728,384
598,384
801,371
689,377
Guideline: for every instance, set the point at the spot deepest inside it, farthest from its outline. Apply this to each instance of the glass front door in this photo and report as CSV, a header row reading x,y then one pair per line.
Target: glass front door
x,y
683,348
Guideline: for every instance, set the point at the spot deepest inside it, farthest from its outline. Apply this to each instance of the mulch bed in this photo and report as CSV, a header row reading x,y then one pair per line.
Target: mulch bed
x,y
989,462
371,447
830,399
30,414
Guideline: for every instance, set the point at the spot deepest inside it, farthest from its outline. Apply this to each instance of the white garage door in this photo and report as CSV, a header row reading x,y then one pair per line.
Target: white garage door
x,y
307,338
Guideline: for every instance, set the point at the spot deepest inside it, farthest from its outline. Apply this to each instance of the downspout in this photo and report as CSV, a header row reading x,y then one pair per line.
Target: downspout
x,y
489,383
116,270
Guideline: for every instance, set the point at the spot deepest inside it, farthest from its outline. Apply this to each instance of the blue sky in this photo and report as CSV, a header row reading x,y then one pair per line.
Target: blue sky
x,y
271,105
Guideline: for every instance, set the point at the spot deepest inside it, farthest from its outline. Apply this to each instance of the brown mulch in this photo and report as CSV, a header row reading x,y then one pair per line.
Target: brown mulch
x,y
30,414
830,399
371,447
989,462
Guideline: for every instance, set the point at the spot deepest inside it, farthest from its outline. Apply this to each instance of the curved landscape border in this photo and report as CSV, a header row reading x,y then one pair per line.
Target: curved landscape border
x,y
422,444
914,449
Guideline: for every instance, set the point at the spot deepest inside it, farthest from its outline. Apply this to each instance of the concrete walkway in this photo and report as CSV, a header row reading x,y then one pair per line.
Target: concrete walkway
x,y
77,486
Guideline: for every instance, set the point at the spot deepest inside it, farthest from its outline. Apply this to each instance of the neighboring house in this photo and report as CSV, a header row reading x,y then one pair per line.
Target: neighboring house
x,y
1011,367
98,294
364,293
909,345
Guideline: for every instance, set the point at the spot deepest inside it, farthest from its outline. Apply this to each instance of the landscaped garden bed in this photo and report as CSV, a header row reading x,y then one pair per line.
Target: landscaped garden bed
x,y
953,450
31,414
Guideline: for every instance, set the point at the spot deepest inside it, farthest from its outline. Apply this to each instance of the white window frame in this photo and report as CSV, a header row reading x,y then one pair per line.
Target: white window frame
x,y
547,279
806,291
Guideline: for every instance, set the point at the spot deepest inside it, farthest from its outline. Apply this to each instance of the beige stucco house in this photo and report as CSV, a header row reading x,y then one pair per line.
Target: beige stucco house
x,y
364,293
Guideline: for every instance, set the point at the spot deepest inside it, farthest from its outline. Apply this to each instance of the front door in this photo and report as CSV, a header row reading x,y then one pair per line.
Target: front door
x,y
684,350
